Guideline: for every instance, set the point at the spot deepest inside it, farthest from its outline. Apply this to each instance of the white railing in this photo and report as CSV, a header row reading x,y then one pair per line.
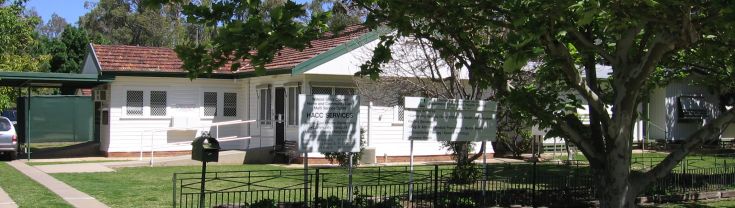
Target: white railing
x,y
196,128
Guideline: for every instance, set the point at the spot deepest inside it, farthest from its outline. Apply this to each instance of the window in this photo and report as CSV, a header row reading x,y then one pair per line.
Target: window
x,y
332,91
293,105
134,104
321,90
344,91
105,117
210,103
264,106
398,114
158,103
229,104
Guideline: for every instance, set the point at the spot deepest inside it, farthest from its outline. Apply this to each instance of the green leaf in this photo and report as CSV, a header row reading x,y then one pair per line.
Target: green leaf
x,y
586,18
651,3
514,62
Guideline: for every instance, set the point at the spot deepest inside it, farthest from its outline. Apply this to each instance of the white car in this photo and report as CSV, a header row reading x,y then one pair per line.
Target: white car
x,y
8,139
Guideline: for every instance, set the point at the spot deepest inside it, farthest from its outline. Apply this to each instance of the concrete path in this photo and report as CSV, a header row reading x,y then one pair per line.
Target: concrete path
x,y
75,168
6,201
75,197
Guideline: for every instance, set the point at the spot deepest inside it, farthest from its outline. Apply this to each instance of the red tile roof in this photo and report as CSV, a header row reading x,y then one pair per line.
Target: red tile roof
x,y
124,58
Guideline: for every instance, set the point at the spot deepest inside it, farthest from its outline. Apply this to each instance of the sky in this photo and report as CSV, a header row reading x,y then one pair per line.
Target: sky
x,y
70,10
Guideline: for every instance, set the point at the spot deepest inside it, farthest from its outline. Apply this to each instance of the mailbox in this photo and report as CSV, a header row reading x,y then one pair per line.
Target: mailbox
x,y
205,149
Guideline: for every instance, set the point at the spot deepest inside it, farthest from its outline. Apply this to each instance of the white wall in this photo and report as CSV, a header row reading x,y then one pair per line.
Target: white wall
x,y
385,134
681,130
658,112
184,99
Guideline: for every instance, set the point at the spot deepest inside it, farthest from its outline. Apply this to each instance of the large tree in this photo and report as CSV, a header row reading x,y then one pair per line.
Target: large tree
x,y
128,22
494,39
54,27
17,45
636,38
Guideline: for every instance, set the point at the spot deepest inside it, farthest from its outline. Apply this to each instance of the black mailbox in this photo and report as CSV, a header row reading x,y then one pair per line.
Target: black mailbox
x,y
205,151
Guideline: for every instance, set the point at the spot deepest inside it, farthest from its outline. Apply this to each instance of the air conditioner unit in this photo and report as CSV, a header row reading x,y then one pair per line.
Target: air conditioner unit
x,y
100,95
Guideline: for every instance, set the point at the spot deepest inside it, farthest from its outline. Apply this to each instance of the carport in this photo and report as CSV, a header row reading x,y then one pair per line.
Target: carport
x,y
29,80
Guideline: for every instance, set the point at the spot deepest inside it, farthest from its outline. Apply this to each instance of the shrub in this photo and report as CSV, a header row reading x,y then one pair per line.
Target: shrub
x,y
343,158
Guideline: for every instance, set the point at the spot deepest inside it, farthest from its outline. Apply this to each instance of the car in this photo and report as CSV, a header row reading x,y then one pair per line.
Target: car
x,y
8,139
11,114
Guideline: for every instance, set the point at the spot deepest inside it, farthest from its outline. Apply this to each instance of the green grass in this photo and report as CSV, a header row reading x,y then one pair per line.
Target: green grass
x,y
716,204
693,161
139,187
73,162
26,192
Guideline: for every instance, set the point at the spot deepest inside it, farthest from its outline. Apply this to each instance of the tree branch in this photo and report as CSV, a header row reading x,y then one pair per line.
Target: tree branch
x,y
622,46
713,128
585,42
574,78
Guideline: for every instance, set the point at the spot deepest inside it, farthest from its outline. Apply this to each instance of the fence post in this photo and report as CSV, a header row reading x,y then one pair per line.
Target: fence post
x,y
174,187
533,192
436,185
316,188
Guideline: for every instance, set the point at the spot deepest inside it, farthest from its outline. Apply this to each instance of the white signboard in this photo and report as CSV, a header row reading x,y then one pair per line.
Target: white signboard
x,y
329,123
435,119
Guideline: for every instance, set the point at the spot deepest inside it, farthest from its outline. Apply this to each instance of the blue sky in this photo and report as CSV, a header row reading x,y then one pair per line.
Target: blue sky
x,y
69,9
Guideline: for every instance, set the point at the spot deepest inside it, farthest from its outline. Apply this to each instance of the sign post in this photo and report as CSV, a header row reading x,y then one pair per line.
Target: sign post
x,y
329,123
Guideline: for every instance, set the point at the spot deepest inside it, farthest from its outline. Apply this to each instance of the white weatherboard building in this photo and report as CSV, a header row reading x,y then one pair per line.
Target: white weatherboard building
x,y
151,105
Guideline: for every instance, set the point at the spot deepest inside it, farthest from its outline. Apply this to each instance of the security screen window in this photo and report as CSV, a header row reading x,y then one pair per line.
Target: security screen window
x,y
158,103
134,103
210,103
344,91
321,90
229,104
692,108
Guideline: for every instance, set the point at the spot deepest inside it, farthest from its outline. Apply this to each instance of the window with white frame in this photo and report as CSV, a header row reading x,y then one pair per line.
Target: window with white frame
x,y
229,104
158,103
264,106
210,104
293,105
134,103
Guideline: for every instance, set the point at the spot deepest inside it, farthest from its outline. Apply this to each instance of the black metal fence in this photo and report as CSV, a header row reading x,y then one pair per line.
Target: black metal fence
x,y
548,184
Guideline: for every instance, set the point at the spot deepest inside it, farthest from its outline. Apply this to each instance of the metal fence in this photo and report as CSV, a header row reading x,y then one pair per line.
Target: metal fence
x,y
548,184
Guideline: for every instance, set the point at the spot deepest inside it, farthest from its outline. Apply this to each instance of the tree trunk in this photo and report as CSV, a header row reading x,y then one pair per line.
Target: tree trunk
x,y
616,189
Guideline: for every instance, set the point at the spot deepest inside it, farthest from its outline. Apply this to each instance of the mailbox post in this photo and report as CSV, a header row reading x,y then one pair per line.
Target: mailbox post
x,y
205,149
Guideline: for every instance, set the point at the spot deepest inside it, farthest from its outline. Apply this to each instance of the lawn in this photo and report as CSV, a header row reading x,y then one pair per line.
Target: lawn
x,y
26,192
643,161
139,187
716,204
152,187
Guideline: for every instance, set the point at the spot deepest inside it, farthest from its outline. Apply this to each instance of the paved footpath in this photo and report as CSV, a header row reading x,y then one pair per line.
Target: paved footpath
x,y
75,197
6,201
